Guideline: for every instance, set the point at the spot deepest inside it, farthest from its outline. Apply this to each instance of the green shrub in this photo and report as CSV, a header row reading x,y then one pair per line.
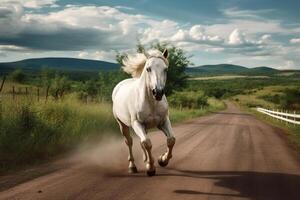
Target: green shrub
x,y
188,99
17,76
271,98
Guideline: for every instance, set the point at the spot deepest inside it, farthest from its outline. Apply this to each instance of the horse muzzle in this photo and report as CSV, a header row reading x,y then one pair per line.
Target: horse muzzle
x,y
158,93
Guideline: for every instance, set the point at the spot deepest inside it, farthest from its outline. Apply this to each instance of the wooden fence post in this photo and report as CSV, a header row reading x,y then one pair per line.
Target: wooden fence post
x,y
286,122
47,92
294,116
38,94
13,92
26,91
2,83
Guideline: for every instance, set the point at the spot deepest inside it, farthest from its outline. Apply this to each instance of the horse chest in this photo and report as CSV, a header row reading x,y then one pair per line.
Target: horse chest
x,y
151,118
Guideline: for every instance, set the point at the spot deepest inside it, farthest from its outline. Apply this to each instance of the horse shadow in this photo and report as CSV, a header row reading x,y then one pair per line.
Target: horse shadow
x,y
246,184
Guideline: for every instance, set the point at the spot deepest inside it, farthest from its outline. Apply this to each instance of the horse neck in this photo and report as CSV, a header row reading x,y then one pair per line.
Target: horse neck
x,y
145,94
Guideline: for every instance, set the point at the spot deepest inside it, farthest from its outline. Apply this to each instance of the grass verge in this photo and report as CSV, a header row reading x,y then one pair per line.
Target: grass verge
x,y
293,131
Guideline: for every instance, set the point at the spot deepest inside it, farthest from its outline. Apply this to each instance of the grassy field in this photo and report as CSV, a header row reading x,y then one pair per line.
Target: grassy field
x,y
225,77
257,97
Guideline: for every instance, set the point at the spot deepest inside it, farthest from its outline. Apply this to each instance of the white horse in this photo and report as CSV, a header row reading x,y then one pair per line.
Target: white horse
x,y
140,103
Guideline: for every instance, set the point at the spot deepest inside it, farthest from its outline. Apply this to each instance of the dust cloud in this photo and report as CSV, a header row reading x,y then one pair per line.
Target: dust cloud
x,y
109,154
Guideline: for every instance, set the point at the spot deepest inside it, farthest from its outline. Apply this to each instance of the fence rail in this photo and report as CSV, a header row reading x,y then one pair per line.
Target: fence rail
x,y
285,116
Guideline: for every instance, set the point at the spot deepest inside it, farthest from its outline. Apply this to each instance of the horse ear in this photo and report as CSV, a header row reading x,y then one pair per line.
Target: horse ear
x,y
146,54
166,53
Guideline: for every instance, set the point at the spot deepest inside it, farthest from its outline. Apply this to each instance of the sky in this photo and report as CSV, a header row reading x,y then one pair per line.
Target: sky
x,y
251,33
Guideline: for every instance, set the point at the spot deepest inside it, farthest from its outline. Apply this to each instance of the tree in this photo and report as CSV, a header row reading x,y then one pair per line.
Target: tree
x,y
108,80
87,89
178,61
59,85
18,76
46,76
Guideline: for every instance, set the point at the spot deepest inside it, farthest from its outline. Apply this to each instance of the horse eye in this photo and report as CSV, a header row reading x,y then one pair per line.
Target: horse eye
x,y
148,69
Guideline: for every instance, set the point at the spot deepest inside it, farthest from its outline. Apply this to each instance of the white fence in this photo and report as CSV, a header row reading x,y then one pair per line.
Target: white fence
x,y
288,117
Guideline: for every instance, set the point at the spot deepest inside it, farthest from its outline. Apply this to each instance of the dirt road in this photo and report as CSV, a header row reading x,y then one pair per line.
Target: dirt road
x,y
227,155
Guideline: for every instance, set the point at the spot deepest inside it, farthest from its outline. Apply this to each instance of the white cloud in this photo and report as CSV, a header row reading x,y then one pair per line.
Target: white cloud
x,y
237,13
236,37
295,41
12,48
289,64
197,32
109,56
3,54
83,54
105,55
124,7
34,4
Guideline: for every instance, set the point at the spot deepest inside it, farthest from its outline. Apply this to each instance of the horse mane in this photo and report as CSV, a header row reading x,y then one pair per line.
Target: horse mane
x,y
134,64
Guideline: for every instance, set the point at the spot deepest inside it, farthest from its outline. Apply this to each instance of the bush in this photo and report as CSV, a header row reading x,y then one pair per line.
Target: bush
x,y
18,76
290,99
271,98
188,99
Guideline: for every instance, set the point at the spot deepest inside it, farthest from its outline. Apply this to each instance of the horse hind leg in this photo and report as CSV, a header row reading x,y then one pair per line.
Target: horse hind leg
x,y
128,140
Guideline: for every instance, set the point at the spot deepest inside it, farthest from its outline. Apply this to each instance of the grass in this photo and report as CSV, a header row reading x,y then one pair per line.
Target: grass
x,y
179,115
31,131
225,77
253,97
292,130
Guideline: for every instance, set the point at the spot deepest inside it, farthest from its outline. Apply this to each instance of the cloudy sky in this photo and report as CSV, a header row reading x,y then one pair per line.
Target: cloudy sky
x,y
245,32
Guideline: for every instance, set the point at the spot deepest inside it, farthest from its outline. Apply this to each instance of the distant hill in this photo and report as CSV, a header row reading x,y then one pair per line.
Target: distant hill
x,y
221,69
264,69
62,64
83,68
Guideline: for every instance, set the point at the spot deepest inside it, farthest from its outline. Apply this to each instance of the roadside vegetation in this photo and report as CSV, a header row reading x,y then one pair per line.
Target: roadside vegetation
x,y
280,92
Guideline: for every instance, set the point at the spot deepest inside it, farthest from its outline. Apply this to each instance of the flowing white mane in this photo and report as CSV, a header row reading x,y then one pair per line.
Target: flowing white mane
x,y
134,64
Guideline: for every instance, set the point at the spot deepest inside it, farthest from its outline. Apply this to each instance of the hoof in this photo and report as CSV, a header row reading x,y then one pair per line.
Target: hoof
x,y
132,170
151,173
161,162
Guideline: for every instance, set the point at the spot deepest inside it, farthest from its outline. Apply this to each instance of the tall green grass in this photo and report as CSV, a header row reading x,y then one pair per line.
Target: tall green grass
x,y
31,131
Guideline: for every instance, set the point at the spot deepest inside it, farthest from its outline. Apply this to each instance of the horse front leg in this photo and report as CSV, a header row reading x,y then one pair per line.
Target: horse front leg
x,y
166,127
139,129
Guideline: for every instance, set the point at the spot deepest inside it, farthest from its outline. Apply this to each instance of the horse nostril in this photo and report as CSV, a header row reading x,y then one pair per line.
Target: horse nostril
x,y
153,91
